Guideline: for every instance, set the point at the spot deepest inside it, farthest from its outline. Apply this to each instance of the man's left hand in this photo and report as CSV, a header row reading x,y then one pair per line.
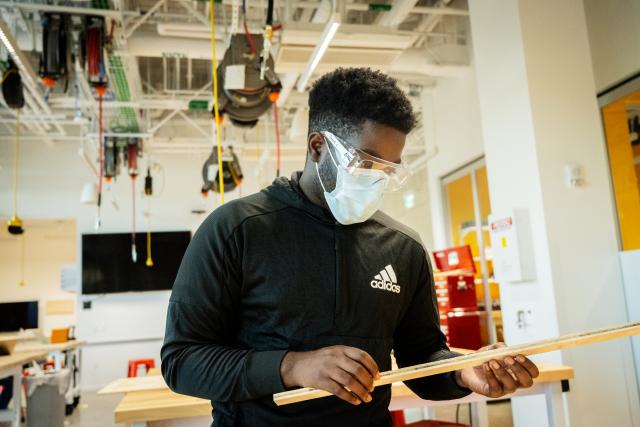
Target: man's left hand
x,y
497,378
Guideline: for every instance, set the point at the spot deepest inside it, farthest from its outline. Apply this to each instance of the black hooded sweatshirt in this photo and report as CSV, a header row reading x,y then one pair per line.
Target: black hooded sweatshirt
x,y
273,272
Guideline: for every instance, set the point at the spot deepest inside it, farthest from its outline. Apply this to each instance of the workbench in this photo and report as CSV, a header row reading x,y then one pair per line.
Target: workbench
x,y
11,366
149,402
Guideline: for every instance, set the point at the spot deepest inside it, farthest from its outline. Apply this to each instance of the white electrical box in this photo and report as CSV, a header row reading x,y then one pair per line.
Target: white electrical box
x,y
512,246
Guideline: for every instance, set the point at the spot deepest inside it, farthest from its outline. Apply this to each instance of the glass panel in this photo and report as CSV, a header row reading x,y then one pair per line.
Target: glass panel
x,y
485,209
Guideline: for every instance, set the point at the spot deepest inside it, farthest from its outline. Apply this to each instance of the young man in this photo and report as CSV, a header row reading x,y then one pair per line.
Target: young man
x,y
307,284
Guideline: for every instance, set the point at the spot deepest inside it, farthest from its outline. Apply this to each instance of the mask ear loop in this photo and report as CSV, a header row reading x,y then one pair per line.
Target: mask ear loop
x,y
326,141
320,179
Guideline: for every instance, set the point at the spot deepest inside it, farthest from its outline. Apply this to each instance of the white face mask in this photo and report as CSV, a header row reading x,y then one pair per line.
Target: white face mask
x,y
356,196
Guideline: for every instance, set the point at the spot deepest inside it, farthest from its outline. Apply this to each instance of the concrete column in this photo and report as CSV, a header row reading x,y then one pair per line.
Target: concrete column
x,y
539,113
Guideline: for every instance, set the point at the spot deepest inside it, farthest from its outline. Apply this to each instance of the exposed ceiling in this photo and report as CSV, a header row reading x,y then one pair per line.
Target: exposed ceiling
x,y
161,60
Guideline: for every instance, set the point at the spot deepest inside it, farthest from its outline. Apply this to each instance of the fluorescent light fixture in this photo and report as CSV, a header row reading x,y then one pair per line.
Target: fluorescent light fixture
x,y
186,30
327,35
6,42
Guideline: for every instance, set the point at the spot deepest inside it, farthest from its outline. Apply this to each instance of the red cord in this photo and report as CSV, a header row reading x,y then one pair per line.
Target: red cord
x,y
133,204
113,24
93,52
100,148
252,43
275,118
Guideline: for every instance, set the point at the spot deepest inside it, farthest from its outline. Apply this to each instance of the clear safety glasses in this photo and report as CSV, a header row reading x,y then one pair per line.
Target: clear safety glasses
x,y
355,161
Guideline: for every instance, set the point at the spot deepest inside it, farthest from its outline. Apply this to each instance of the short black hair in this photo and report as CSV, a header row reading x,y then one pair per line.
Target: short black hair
x,y
342,100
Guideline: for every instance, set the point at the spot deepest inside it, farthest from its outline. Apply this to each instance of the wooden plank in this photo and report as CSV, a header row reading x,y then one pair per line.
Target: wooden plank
x,y
62,306
155,405
126,385
40,346
548,374
475,359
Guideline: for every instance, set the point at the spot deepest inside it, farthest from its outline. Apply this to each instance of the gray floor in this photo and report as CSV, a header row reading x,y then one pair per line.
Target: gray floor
x,y
97,411
499,414
94,411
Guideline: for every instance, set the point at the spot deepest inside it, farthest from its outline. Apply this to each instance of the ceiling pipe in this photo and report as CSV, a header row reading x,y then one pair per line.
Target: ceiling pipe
x,y
416,61
150,45
287,80
322,13
143,104
37,7
398,13
29,125
134,26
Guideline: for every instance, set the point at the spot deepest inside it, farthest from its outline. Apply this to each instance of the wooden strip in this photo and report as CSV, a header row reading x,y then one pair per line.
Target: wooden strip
x,y
19,359
126,385
475,359
40,346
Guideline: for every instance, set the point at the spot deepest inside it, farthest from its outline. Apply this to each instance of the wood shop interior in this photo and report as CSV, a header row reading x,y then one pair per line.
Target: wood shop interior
x,y
125,123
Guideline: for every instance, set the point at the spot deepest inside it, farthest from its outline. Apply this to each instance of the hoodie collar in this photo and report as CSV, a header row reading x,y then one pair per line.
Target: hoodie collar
x,y
288,191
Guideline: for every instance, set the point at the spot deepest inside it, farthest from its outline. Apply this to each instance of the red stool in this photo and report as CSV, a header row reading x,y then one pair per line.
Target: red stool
x,y
399,421
133,366
397,417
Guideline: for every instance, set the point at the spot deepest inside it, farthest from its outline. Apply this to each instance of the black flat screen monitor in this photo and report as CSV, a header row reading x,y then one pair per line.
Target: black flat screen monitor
x,y
108,267
15,316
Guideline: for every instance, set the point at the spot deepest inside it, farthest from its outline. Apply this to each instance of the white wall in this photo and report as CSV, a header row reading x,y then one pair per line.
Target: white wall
x,y
417,217
614,38
454,121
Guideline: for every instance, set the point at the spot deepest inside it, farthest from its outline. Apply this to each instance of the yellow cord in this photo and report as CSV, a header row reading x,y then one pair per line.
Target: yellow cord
x,y
214,73
149,261
15,170
21,283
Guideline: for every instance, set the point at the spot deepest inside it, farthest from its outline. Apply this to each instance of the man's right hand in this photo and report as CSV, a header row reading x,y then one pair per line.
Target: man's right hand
x,y
346,372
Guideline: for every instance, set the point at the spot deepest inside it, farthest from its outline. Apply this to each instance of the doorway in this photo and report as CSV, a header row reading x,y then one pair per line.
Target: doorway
x,y
467,207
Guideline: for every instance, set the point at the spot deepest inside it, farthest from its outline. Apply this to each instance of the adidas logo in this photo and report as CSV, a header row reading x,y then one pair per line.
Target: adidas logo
x,y
386,280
